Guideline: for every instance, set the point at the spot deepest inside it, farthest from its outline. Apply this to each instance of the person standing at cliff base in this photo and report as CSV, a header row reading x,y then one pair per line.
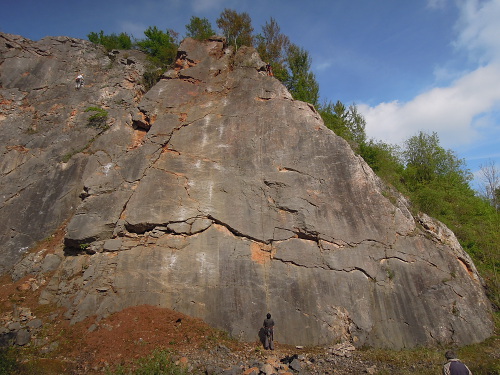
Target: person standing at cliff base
x,y
454,366
268,332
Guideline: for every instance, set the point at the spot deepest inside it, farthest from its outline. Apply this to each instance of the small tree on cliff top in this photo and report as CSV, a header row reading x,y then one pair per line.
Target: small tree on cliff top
x,y
236,27
199,28
112,41
272,46
300,81
160,45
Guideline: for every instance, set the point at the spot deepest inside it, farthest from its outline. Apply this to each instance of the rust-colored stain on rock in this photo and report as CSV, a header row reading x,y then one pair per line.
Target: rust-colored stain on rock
x,y
258,254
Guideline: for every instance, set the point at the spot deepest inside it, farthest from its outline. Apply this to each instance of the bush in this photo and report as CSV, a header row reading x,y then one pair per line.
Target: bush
x,y
151,76
112,41
98,119
8,362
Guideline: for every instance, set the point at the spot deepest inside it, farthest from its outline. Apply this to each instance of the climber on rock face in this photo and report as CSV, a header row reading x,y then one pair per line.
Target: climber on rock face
x,y
269,69
79,81
268,332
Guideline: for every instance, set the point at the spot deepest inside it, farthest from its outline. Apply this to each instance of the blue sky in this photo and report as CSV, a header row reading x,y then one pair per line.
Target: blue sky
x,y
431,65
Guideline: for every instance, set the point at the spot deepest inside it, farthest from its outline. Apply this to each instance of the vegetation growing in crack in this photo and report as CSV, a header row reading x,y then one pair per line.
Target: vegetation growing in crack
x,y
84,246
67,157
151,76
98,119
160,47
390,273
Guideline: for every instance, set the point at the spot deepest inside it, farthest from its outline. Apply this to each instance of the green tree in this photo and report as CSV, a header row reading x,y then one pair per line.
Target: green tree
x,y
160,46
272,46
426,160
384,160
199,28
347,123
300,81
236,27
437,181
112,41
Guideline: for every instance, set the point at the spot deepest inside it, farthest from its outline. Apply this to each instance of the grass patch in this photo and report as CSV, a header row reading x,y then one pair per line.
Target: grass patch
x,y
160,362
482,359
11,364
421,360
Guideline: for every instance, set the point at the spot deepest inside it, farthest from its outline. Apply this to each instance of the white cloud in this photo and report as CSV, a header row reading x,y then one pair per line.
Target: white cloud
x,y
325,65
480,28
133,28
436,4
456,111
200,6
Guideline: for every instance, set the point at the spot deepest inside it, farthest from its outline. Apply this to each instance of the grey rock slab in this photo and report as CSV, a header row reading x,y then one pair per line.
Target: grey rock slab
x,y
14,326
155,201
35,324
295,365
199,225
96,218
180,228
23,337
114,244
50,263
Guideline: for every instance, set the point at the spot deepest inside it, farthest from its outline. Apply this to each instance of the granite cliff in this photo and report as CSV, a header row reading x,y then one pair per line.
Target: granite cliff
x,y
215,194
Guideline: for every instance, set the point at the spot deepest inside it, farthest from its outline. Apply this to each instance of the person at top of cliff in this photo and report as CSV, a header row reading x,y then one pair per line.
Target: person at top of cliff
x,y
269,69
79,81
268,332
454,366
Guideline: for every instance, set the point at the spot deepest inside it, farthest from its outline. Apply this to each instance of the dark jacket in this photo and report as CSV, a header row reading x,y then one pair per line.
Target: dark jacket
x,y
455,367
268,324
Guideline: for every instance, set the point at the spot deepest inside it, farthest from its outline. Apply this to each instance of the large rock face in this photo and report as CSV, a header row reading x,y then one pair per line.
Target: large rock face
x,y
234,201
